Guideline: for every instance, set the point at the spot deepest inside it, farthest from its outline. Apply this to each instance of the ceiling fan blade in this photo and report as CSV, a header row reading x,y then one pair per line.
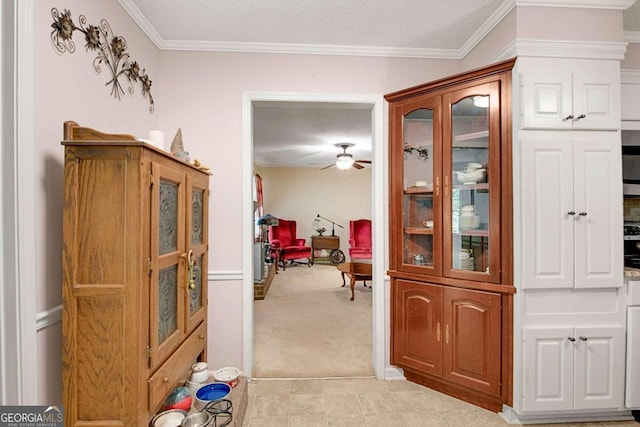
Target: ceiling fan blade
x,y
327,167
357,165
364,161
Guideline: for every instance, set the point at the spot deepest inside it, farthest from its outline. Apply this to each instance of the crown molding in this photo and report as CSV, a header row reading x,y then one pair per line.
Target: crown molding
x,y
495,18
632,36
568,49
583,4
142,22
310,49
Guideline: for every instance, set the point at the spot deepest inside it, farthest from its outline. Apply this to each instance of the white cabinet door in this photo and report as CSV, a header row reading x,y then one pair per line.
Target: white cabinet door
x,y
547,198
599,246
599,367
570,368
596,96
562,100
633,358
572,212
546,101
548,369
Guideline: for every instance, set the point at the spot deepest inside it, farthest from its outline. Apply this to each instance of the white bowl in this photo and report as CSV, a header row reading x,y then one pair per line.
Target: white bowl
x,y
471,177
170,418
227,375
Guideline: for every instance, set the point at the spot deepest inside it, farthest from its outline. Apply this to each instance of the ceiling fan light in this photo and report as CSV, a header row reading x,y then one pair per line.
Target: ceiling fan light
x,y
344,162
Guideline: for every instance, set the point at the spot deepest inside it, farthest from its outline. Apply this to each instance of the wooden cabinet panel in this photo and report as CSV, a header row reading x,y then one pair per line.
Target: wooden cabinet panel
x,y
472,339
418,326
448,332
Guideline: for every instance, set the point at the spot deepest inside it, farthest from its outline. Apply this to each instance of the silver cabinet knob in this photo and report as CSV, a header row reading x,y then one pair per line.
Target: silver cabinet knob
x,y
582,214
583,338
581,116
569,117
572,339
571,213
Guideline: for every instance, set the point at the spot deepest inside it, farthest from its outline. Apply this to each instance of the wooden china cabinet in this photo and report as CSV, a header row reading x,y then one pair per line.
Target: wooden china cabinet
x,y
135,246
451,234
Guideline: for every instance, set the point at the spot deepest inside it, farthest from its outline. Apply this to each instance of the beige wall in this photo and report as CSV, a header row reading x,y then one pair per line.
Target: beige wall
x,y
302,193
557,23
631,57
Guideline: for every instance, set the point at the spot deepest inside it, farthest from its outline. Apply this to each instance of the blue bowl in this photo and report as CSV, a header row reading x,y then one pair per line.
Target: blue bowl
x,y
210,392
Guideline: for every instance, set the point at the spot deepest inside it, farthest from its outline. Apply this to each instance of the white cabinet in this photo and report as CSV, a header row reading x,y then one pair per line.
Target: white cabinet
x,y
562,100
572,211
569,368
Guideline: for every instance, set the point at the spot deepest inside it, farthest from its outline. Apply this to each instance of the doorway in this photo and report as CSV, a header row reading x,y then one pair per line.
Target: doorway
x,y
375,102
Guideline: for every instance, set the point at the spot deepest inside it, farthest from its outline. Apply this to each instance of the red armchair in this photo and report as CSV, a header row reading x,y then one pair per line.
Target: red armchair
x,y
360,239
285,243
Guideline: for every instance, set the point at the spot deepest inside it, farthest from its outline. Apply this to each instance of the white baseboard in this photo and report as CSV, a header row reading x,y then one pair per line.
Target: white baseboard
x,y
513,418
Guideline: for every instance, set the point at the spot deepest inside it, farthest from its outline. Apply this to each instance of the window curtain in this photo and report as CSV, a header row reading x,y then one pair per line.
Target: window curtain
x,y
259,208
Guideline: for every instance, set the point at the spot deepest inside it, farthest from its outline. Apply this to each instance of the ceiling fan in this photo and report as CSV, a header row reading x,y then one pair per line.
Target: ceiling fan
x,y
345,160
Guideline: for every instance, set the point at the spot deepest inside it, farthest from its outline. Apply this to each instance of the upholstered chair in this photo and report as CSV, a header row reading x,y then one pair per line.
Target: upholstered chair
x,y
360,239
286,245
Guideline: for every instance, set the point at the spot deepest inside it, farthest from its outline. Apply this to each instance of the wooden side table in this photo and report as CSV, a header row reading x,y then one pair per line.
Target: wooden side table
x,y
323,242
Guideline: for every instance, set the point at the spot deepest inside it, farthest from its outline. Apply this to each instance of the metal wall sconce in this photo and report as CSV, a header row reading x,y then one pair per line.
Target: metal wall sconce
x,y
111,51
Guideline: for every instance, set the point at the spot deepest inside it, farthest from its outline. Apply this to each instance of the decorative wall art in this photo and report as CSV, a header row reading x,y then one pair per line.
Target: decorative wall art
x,y
423,152
111,51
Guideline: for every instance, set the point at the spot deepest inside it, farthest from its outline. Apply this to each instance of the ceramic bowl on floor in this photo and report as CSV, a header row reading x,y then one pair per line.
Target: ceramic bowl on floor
x,y
170,418
210,392
227,375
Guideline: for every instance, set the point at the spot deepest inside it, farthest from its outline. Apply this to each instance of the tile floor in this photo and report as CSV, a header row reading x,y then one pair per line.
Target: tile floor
x,y
366,402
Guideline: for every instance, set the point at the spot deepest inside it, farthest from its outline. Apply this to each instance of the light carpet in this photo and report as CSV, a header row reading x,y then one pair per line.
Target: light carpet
x,y
306,327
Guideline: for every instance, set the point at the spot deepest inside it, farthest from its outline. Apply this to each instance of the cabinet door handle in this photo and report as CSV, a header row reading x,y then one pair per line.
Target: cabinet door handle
x,y
569,117
583,338
571,213
437,186
582,214
446,334
581,116
446,185
572,339
438,332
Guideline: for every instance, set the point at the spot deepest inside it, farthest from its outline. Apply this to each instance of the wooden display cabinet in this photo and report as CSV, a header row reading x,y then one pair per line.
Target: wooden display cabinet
x,y
451,234
135,246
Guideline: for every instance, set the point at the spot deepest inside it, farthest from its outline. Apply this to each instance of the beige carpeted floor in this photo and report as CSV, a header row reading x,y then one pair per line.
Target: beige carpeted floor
x,y
306,327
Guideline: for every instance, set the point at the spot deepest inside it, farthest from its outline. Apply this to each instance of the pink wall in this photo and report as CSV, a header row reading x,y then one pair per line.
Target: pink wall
x,y
67,88
202,95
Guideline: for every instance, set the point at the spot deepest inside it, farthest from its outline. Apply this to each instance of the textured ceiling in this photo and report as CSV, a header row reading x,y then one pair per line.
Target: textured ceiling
x,y
301,134
441,24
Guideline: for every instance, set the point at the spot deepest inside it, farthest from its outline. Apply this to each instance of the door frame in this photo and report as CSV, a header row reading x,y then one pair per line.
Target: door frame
x,y
378,212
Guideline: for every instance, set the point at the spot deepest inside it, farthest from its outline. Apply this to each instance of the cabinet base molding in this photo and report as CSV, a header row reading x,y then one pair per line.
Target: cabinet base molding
x,y
512,417
492,403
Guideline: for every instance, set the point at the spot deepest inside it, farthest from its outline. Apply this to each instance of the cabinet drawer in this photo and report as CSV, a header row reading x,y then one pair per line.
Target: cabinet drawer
x,y
174,371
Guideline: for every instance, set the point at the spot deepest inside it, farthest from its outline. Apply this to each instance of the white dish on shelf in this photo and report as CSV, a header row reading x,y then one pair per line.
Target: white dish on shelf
x,y
420,184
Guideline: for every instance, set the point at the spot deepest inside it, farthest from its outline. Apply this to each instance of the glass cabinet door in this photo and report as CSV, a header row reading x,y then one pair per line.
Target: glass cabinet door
x,y
471,151
197,203
167,266
421,180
